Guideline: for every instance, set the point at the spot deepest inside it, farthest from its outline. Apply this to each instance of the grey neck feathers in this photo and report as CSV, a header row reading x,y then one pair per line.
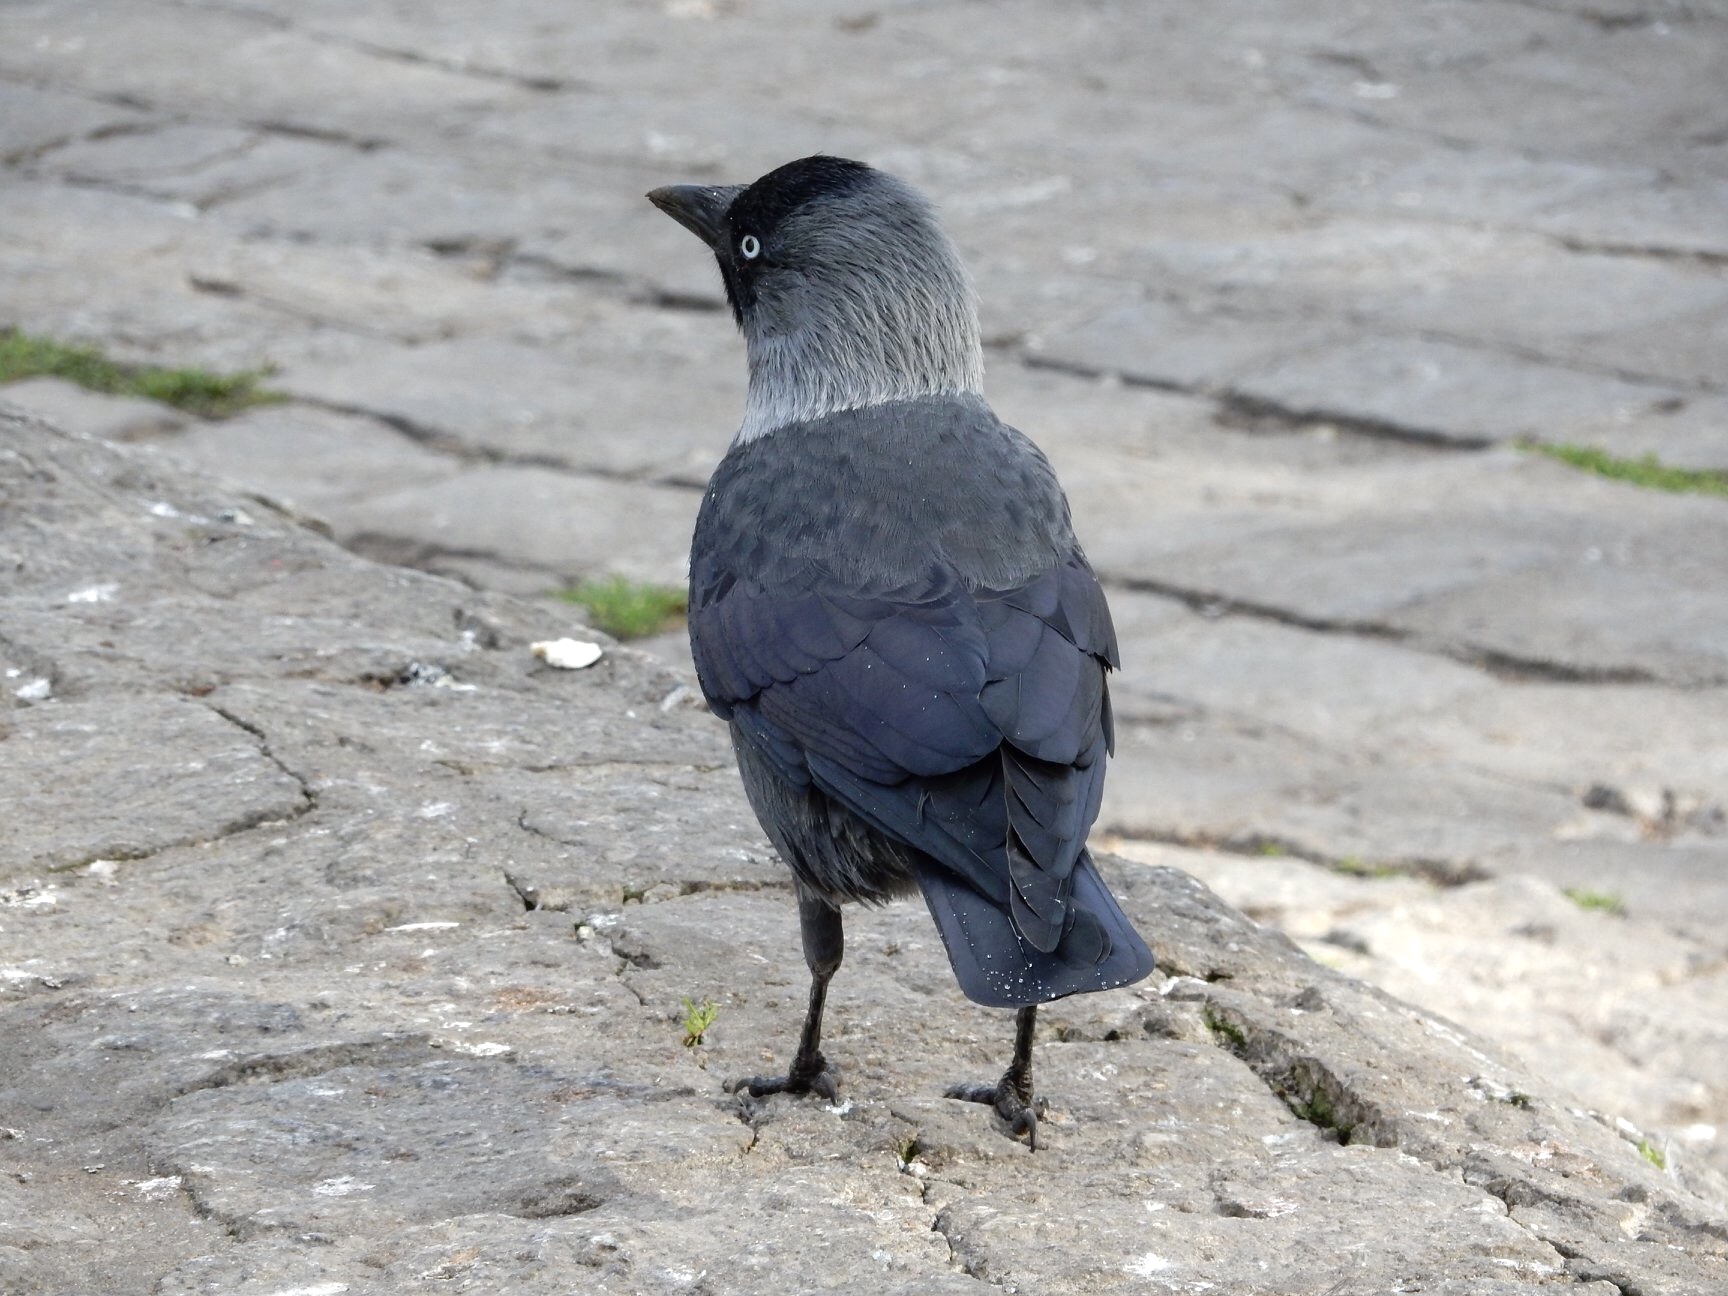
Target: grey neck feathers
x,y
867,337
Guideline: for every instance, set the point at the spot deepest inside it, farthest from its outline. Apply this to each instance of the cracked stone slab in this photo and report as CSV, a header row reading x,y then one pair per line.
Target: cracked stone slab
x,y
37,120
1608,614
356,1149
410,295
1425,547
1531,85
1258,1216
326,463
114,269
1447,392
583,525
344,1045
1213,780
131,776
246,65
1164,344
591,405
1266,175
166,148
1503,953
1644,752
541,219
114,418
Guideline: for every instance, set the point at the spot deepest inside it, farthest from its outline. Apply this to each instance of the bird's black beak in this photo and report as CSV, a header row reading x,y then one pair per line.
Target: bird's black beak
x,y
701,209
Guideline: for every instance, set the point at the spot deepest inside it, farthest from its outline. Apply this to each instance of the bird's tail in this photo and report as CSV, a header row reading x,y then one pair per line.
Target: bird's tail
x,y
1099,950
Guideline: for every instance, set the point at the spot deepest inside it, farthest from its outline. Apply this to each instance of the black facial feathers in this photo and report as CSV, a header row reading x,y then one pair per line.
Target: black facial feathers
x,y
760,208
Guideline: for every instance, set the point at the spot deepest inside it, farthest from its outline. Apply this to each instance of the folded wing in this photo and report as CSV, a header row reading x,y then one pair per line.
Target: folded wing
x,y
969,724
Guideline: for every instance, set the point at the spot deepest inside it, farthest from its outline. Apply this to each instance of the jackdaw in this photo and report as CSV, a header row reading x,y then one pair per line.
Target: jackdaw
x,y
888,605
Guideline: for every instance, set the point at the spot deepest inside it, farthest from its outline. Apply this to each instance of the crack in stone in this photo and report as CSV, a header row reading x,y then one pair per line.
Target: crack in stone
x,y
1662,387
1260,845
1212,604
113,99
452,444
454,65
112,130
526,892
125,189
1643,251
1242,410
1307,1086
425,555
1317,1094
1610,21
1578,1266
1251,412
321,134
232,828
972,1266
302,1064
212,286
307,793
632,288
1497,662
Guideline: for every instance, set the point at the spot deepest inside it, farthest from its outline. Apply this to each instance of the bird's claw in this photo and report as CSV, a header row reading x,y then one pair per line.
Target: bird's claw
x,y
805,1077
1012,1100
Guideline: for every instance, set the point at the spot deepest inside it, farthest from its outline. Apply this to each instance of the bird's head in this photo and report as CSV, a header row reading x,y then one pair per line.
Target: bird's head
x,y
847,290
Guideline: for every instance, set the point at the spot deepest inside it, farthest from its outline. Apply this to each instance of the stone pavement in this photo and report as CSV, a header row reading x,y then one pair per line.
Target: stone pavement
x,y
349,949
1282,288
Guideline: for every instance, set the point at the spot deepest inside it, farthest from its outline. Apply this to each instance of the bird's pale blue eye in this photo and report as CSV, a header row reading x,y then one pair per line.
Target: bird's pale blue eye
x,y
749,247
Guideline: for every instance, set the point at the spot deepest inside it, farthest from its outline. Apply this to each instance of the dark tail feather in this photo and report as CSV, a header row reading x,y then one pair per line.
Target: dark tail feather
x,y
994,966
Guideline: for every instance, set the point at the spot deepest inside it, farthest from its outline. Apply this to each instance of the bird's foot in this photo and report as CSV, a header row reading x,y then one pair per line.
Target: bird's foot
x,y
1011,1096
808,1075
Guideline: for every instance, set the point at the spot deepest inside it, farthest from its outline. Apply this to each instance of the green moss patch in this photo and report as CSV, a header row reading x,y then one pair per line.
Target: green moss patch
x,y
628,609
197,391
1647,471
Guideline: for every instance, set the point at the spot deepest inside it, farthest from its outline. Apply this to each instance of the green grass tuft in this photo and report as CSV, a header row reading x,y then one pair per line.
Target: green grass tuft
x,y
1647,471
628,609
698,1017
1653,1154
1598,901
197,391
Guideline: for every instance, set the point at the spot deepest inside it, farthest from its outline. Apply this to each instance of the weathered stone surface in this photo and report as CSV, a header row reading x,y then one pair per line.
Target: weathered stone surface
x,y
1256,727
1371,650
37,120
1506,952
558,523
1297,186
1439,553
1449,392
114,418
432,1023
241,62
328,464
527,404
1163,344
71,780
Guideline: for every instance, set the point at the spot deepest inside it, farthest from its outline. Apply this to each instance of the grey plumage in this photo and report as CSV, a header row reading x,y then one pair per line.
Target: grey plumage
x,y
888,605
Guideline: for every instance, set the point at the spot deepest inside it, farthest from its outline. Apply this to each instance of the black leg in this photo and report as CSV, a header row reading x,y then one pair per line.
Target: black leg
x,y
824,946
1011,1096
